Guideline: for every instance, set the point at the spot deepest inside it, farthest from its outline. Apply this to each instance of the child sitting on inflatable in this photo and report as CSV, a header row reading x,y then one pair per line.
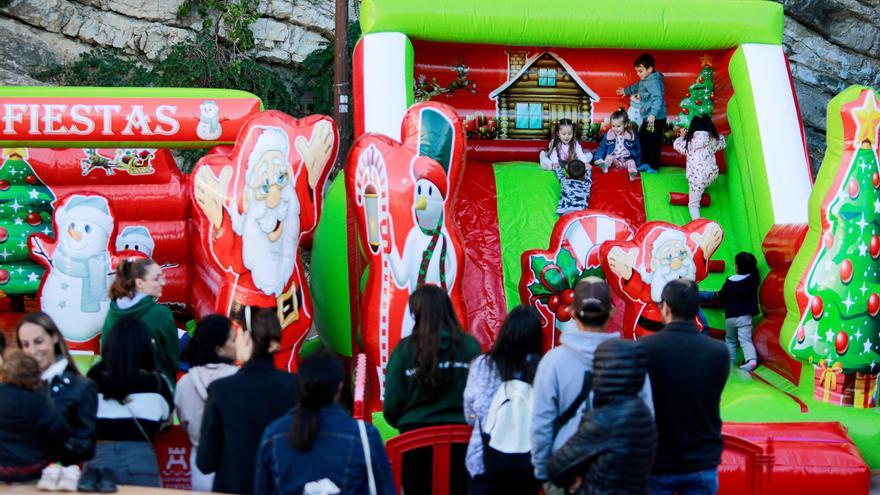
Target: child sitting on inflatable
x,y
620,146
563,146
700,141
575,193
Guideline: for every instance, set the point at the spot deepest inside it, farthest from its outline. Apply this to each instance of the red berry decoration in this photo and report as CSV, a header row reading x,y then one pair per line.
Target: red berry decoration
x,y
853,188
875,246
829,240
562,313
4,185
801,335
553,303
699,102
816,306
568,296
873,304
31,179
875,179
4,276
841,342
33,218
846,271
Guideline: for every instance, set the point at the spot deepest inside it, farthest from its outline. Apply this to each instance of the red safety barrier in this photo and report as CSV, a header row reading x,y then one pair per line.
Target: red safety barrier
x,y
440,439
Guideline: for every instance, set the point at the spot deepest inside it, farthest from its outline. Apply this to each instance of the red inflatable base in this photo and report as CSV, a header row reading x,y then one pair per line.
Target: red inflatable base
x,y
785,458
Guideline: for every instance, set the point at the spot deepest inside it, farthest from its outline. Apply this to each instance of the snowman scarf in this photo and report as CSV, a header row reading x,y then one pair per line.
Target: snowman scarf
x,y
428,253
93,271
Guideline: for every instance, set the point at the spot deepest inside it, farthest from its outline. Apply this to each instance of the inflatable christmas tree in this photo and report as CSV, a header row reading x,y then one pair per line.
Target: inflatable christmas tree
x,y
25,208
839,332
700,99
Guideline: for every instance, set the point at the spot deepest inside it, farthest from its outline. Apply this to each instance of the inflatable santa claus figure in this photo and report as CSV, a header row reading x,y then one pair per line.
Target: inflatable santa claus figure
x,y
256,224
639,270
427,255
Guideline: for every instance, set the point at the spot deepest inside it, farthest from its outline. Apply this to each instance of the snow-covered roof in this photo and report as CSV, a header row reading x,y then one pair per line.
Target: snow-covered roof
x,y
531,61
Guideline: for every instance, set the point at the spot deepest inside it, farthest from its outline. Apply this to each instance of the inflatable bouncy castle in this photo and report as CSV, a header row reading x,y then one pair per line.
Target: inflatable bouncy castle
x,y
455,100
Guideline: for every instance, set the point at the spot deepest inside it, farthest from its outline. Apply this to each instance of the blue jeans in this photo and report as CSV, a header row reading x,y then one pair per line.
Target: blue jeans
x,y
132,463
697,483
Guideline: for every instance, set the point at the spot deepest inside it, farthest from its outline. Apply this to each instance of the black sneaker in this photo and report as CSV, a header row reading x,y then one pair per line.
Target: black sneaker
x,y
107,482
88,482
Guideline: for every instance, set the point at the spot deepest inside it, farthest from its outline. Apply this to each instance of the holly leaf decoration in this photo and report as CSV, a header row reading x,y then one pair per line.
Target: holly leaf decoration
x,y
568,265
538,290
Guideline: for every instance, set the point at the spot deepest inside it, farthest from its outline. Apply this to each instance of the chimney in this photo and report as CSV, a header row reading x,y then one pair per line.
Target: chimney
x,y
515,62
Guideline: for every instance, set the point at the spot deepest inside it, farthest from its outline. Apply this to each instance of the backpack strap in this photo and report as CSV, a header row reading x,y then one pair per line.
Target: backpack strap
x,y
569,413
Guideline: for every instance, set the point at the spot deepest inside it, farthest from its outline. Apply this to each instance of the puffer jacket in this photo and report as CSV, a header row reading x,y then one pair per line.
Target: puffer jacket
x,y
613,449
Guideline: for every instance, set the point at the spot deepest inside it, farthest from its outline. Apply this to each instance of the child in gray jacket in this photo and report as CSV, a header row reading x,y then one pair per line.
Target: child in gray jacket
x,y
652,94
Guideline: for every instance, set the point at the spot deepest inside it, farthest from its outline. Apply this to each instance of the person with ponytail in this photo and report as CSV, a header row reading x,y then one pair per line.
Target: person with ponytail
x,y
425,380
563,381
239,407
137,286
210,355
317,447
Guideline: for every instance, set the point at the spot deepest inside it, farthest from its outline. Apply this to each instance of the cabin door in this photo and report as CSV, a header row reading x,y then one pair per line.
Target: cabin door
x,y
562,111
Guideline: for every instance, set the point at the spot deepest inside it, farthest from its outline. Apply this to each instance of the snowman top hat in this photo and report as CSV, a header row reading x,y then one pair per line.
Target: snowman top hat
x,y
91,209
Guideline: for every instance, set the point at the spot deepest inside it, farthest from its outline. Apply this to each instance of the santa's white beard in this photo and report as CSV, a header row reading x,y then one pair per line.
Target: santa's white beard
x,y
271,262
664,274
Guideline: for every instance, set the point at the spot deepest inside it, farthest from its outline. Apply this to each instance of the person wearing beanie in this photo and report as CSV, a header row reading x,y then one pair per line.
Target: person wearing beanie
x,y
563,382
613,449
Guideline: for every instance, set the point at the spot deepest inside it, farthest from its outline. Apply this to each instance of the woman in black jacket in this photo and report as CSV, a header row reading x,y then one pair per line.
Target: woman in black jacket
x,y
31,430
613,449
239,407
74,396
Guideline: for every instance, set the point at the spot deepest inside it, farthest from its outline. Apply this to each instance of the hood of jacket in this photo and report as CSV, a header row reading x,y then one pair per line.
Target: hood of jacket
x,y
584,344
618,371
202,376
140,308
654,76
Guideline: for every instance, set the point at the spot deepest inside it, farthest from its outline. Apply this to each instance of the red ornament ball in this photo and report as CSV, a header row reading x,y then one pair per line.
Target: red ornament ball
x,y
4,276
873,304
699,102
853,188
33,218
4,185
841,342
562,313
688,94
685,111
553,303
4,235
31,179
875,179
801,335
846,271
712,97
875,246
568,296
816,306
701,80
828,239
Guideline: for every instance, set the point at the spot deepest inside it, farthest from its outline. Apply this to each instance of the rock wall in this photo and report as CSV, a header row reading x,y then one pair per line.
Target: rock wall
x,y
831,43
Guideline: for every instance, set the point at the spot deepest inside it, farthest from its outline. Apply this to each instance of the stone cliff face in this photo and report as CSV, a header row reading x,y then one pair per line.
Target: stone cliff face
x,y
831,43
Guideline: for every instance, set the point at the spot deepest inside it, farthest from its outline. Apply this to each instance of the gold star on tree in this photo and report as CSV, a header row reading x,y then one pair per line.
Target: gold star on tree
x,y
705,60
868,118
15,154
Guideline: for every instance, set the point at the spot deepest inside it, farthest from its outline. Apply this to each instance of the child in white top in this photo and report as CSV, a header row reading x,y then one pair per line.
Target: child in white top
x,y
563,146
699,142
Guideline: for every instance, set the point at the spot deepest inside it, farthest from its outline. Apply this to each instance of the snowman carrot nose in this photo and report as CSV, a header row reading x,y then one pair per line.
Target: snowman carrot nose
x,y
422,203
74,233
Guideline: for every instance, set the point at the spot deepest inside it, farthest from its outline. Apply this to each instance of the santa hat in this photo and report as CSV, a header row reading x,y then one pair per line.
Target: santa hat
x,y
271,139
136,235
428,169
92,209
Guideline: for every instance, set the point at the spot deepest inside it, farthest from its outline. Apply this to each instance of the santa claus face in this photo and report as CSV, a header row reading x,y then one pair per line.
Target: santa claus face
x,y
271,224
85,238
670,260
428,204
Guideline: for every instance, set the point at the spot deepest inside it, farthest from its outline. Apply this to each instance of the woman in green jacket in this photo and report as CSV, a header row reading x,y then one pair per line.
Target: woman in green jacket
x,y
424,383
137,285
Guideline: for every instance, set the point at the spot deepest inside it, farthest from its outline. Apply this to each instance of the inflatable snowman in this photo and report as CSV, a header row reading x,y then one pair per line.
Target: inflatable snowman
x,y
428,257
136,238
74,293
209,128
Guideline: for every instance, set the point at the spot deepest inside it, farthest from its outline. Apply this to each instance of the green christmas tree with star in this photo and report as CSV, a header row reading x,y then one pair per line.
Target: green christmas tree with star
x,y
840,331
25,208
700,99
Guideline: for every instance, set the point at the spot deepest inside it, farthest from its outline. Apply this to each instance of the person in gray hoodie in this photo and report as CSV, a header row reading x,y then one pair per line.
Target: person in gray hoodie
x,y
562,383
210,354
652,93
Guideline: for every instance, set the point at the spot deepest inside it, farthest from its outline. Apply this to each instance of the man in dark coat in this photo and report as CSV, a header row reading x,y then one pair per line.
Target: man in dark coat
x,y
613,449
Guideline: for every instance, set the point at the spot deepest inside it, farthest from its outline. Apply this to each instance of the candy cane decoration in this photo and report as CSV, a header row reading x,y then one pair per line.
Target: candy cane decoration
x,y
371,182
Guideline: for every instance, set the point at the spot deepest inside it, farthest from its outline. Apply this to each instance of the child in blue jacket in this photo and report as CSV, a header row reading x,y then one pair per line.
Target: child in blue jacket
x,y
620,146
